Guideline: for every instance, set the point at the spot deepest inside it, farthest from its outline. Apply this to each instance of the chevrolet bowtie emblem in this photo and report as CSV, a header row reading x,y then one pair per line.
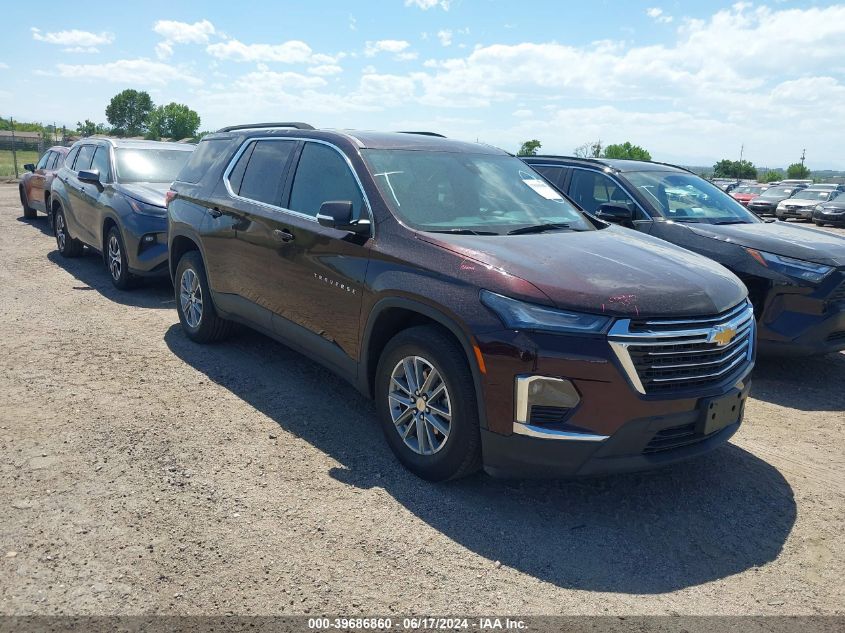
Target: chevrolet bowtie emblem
x,y
722,335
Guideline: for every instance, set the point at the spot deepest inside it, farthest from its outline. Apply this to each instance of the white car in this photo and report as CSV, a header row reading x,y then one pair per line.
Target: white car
x,y
802,204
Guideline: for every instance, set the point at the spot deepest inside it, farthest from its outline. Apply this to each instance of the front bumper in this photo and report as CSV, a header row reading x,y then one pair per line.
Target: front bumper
x,y
762,208
614,427
801,213
145,237
830,217
802,321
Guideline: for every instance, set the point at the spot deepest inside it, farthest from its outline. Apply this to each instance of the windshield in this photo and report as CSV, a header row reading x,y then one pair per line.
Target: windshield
x,y
685,197
812,194
149,165
778,192
459,192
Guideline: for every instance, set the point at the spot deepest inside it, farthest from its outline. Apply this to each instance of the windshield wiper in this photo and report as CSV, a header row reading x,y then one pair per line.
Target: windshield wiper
x,y
731,222
466,232
539,228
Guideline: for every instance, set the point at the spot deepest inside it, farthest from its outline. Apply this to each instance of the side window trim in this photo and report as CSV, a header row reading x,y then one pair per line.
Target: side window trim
x,y
291,167
646,215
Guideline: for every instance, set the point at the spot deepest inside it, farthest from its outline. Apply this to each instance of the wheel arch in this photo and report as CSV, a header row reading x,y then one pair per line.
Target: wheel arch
x,y
392,315
179,245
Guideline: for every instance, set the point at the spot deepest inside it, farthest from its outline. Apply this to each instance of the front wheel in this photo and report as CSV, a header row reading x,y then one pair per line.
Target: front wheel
x,y
116,260
817,223
427,406
28,212
197,315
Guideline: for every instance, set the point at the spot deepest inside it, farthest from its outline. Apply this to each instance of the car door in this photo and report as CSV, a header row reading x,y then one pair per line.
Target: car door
x,y
324,268
240,247
95,199
78,213
36,181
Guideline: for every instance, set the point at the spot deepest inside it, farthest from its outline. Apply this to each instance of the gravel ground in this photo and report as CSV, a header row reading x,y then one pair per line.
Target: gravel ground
x,y
144,474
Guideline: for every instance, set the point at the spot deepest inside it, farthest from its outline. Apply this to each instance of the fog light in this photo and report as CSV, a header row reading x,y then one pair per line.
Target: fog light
x,y
150,238
543,391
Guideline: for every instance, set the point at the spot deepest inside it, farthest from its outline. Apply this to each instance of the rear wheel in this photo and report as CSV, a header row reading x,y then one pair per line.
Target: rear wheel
x,y
197,315
817,223
116,260
427,406
28,211
68,247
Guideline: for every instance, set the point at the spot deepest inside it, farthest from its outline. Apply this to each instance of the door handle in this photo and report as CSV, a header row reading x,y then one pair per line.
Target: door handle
x,y
215,212
283,236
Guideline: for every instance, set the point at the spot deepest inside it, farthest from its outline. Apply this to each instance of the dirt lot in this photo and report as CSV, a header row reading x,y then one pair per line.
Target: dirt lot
x,y
144,474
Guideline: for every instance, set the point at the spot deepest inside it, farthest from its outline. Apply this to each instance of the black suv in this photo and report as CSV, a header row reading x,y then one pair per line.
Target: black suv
x,y
493,322
795,275
110,195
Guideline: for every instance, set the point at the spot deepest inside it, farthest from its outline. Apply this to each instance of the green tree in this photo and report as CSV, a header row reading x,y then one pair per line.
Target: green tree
x,y
591,149
529,148
626,150
727,168
175,121
797,171
771,176
89,128
128,112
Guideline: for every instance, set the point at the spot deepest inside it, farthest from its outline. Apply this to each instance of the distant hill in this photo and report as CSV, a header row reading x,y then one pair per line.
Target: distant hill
x,y
819,175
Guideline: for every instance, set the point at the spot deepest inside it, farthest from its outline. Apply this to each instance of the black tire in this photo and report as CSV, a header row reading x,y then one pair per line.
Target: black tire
x,y
460,452
817,223
68,246
28,212
114,254
209,327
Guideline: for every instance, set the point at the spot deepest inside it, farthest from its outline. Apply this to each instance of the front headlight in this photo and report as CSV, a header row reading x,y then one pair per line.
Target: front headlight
x,y
791,267
146,209
819,207
518,315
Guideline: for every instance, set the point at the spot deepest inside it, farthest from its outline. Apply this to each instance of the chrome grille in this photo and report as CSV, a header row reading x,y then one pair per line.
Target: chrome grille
x,y
664,355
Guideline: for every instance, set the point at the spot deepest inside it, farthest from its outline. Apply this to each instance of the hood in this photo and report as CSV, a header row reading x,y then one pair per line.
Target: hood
x,y
836,203
780,238
614,271
800,202
149,192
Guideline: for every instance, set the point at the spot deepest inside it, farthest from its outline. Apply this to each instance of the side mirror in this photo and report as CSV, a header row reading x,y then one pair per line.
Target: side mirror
x,y
30,167
338,215
616,213
89,175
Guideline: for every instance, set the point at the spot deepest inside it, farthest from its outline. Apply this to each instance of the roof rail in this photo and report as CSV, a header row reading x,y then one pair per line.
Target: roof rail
x,y
252,126
422,133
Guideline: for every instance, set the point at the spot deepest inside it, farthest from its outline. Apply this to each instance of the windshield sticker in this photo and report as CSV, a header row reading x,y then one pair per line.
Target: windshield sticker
x,y
542,188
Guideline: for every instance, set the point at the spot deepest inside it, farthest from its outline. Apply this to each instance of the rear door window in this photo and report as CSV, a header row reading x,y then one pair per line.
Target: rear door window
x,y
71,157
591,190
236,177
42,164
262,179
324,176
53,163
86,154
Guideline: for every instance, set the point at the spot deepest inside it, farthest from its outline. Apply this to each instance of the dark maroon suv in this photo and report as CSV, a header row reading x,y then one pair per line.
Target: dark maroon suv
x,y
494,323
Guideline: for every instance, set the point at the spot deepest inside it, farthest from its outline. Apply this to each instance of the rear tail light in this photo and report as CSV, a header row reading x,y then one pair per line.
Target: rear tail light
x,y
168,196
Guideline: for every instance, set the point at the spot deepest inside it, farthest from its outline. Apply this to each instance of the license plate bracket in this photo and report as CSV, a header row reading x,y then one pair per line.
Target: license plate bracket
x,y
721,412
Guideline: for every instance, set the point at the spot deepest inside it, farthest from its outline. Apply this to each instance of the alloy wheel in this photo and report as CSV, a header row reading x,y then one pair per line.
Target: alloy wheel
x,y
190,297
61,236
419,405
115,262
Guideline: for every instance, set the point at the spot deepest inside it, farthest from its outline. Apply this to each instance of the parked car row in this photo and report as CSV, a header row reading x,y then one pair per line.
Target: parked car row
x,y
493,308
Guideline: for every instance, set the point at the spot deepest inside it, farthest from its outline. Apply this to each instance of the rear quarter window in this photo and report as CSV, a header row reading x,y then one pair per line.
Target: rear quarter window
x,y
201,160
71,157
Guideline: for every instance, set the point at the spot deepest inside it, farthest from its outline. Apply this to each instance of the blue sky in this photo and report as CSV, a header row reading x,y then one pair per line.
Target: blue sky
x,y
690,81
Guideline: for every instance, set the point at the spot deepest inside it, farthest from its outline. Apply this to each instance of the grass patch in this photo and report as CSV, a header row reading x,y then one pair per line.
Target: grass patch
x,y
7,165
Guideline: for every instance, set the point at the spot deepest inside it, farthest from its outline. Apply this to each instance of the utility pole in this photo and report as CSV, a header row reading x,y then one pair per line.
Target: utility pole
x,y
14,145
803,156
741,152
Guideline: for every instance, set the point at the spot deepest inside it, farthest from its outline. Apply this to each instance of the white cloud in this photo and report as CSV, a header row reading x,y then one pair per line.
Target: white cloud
x,y
290,52
445,37
371,49
141,72
425,5
325,70
3,65
406,57
523,114
656,13
73,38
175,32
81,49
